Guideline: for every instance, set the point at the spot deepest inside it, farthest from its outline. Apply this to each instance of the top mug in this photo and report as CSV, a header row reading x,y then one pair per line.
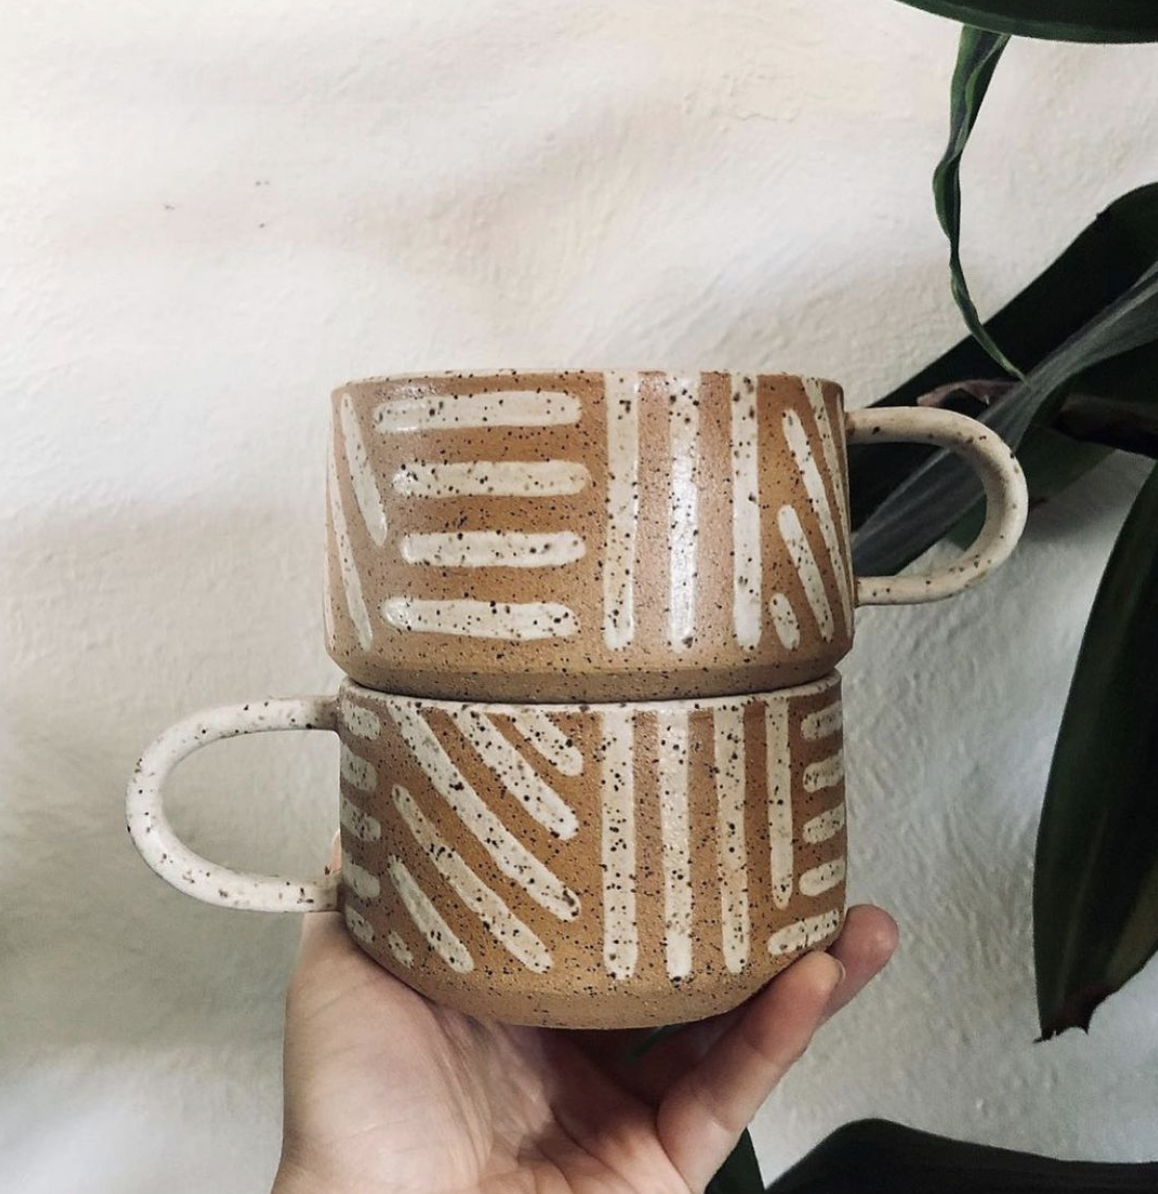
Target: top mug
x,y
610,535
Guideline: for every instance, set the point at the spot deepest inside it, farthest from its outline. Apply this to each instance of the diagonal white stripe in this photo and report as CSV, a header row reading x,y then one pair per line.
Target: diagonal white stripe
x,y
788,523
547,738
351,581
361,474
510,856
428,920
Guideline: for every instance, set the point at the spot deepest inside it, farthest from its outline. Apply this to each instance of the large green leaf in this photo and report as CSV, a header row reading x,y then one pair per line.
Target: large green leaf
x,y
1058,20
740,1173
1095,896
1107,257
977,57
927,504
873,1156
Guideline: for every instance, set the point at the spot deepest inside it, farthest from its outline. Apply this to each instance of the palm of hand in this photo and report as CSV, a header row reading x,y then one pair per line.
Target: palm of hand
x,y
387,1092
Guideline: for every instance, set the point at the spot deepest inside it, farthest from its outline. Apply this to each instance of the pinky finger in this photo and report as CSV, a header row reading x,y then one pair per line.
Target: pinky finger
x,y
703,1114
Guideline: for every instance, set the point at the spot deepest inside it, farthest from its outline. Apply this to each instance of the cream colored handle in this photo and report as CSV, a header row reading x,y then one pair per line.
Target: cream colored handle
x,y
1006,498
174,861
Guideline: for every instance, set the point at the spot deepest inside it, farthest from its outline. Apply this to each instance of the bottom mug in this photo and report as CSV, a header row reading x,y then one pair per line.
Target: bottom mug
x,y
577,866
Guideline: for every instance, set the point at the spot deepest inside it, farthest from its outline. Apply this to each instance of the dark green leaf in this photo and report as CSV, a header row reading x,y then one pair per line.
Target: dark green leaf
x,y
927,504
977,58
740,1173
1115,422
1057,20
1095,896
876,1157
1102,262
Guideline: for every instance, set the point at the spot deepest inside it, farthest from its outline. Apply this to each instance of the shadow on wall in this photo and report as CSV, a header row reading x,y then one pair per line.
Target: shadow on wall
x,y
118,628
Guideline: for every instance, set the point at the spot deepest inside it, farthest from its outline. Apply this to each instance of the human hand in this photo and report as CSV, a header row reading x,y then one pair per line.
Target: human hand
x,y
387,1093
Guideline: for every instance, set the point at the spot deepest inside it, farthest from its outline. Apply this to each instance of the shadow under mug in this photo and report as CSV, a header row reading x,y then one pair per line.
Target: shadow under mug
x,y
584,866
556,536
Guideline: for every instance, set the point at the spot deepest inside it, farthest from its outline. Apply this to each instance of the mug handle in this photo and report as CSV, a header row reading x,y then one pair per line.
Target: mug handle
x,y
1006,498
174,861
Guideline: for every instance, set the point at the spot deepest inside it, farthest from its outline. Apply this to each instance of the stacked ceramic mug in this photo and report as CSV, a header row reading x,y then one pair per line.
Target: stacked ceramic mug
x,y
591,735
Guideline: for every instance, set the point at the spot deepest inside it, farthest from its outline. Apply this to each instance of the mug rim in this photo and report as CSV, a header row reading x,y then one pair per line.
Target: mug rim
x,y
412,376
675,704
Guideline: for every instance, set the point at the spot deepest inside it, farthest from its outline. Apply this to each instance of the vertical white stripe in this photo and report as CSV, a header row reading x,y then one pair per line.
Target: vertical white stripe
x,y
621,405
826,773
672,732
363,883
328,605
617,842
514,772
544,735
804,933
684,447
785,620
801,450
399,948
353,820
361,474
824,826
788,522
823,723
510,856
778,761
833,459
498,920
351,581
747,566
427,919
822,878
731,849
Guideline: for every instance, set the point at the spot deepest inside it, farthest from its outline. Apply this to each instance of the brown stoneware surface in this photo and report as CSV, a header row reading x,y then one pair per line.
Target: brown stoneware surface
x,y
592,866
587,535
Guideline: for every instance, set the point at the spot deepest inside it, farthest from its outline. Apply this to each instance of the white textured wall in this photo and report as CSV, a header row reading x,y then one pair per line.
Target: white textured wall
x,y
213,211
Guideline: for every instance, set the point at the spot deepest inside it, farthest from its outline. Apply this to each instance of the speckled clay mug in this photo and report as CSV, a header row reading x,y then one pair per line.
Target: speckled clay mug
x,y
550,536
572,865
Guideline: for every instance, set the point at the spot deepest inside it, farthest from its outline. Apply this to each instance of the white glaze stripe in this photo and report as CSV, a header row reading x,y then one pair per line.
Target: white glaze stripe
x,y
498,920
617,838
622,407
731,850
353,820
801,450
803,933
517,622
399,949
363,883
672,732
822,724
510,856
824,826
499,408
492,549
351,581
363,722
492,478
519,778
746,563
356,771
785,620
358,925
361,474
548,739
778,761
788,522
427,919
832,459
683,435
822,878
826,773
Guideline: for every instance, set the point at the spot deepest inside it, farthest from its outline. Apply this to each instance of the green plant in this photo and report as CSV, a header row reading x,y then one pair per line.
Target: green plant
x,y
1067,373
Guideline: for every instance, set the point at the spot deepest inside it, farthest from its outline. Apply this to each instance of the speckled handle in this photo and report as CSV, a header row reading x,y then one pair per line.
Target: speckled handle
x,y
1006,498
172,859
